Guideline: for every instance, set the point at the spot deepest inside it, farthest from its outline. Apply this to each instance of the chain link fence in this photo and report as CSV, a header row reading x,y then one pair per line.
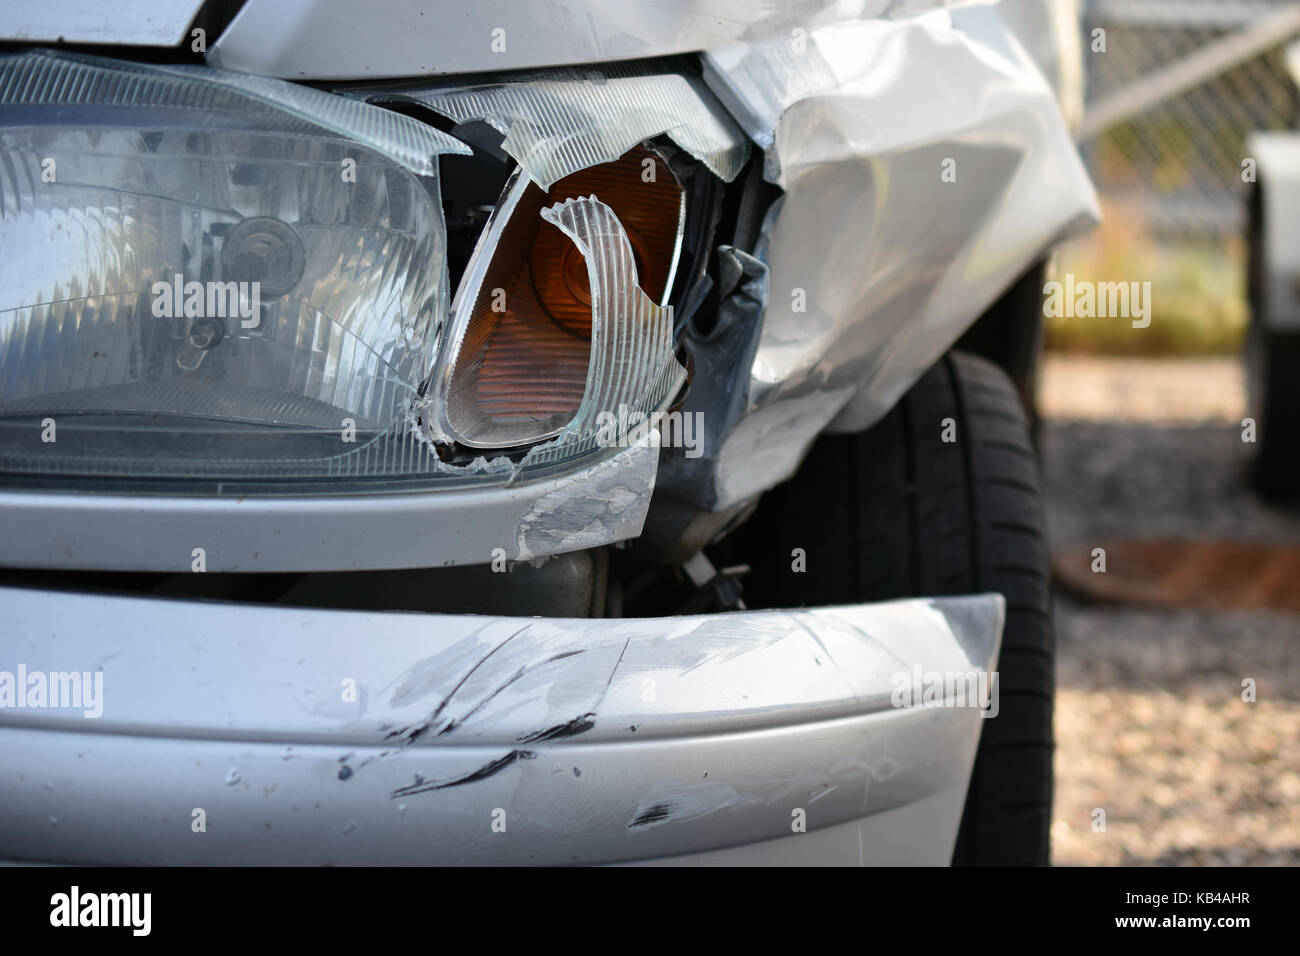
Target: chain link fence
x,y
1176,165
1173,88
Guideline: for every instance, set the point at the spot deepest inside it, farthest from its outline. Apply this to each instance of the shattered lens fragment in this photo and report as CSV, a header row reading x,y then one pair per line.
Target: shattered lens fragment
x,y
560,315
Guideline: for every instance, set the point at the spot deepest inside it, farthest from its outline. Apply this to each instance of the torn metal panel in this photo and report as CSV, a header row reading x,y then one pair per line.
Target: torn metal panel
x,y
878,260
559,122
708,731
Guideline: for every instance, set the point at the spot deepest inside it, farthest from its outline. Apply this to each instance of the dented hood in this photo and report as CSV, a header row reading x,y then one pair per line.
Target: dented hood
x,y
325,39
344,39
123,22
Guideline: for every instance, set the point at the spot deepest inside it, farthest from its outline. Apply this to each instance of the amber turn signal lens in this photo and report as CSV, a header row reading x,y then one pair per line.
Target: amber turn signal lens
x,y
523,315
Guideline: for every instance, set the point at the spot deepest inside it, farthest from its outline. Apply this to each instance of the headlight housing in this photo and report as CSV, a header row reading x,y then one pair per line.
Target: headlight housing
x,y
214,276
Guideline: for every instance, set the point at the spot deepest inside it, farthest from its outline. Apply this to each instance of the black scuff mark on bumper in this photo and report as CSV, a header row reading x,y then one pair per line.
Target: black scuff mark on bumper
x,y
578,725
656,813
489,769
409,735
455,723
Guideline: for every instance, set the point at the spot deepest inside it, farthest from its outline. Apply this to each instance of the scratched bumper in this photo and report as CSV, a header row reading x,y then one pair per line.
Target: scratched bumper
x,y
483,740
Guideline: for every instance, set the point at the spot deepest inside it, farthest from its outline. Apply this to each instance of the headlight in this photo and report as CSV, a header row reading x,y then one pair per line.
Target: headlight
x,y
212,275
198,282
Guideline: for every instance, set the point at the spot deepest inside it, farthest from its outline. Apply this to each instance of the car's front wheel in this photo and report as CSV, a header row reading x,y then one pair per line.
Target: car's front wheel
x,y
941,497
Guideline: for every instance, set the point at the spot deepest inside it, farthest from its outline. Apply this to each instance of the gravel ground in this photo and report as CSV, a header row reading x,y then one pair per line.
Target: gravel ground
x,y
1150,722
1143,390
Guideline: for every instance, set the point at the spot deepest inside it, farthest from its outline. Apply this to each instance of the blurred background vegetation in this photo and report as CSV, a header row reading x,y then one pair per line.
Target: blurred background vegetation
x,y
1198,292
1169,176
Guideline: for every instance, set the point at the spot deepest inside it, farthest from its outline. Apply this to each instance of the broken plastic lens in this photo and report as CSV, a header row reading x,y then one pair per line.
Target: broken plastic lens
x,y
523,362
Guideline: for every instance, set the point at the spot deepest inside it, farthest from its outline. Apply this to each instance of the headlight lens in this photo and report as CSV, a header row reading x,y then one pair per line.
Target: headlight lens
x,y
118,307
198,283
206,275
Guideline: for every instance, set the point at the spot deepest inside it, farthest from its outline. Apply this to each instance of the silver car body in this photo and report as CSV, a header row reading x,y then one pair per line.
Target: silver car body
x,y
488,740
869,115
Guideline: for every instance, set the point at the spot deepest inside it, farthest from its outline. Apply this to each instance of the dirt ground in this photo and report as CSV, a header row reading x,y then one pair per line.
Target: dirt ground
x,y
1151,726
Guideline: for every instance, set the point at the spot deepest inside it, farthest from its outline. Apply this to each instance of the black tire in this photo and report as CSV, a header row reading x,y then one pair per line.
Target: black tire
x,y
1010,335
897,512
1272,378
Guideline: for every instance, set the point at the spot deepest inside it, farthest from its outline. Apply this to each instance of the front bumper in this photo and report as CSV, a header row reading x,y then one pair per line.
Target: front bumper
x,y
301,736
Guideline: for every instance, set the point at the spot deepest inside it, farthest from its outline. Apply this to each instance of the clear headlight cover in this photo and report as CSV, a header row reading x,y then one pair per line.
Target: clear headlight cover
x,y
205,274
209,275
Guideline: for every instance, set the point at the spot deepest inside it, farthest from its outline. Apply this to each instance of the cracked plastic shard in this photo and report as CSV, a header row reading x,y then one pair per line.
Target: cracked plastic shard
x,y
633,365
562,121
482,465
609,500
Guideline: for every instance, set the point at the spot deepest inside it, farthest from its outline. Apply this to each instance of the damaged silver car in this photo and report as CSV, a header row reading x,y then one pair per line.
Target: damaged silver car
x,y
565,433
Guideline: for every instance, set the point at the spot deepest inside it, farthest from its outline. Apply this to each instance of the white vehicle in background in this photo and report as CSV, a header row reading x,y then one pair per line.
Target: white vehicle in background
x,y
527,433
1273,289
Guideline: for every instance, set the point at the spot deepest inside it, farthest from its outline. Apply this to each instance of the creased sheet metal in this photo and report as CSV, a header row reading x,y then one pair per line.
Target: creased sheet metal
x,y
559,122
925,165
342,39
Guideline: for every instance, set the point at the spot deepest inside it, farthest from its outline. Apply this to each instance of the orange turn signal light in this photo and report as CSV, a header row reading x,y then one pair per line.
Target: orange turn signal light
x,y
521,328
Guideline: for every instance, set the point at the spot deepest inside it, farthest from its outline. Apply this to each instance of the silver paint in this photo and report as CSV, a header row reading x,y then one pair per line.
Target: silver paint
x,y
889,262
133,22
127,532
599,740
328,40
